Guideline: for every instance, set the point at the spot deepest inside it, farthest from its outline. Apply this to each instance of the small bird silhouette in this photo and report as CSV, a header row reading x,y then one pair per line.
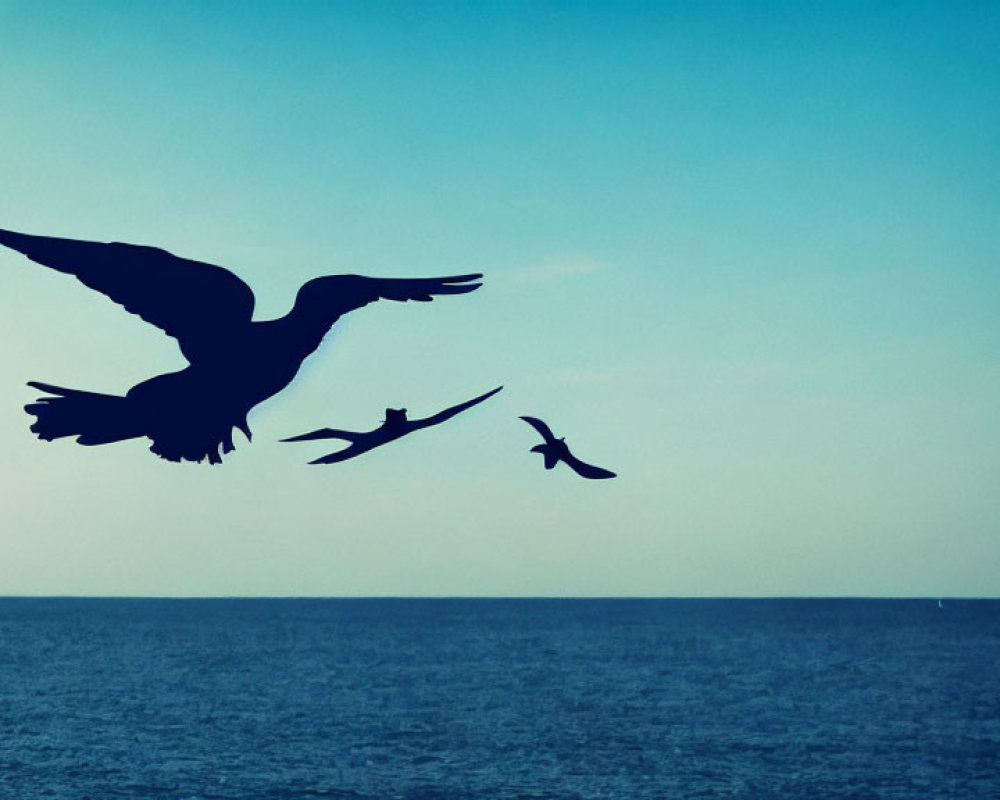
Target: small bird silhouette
x,y
395,426
234,362
556,450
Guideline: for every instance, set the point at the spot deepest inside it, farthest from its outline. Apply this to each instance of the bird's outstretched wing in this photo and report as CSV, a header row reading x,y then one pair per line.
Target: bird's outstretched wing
x,y
323,433
339,294
541,427
190,300
353,450
586,470
448,413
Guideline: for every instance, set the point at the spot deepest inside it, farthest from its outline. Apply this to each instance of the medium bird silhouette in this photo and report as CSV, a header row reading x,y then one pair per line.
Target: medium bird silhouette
x,y
234,362
556,450
395,425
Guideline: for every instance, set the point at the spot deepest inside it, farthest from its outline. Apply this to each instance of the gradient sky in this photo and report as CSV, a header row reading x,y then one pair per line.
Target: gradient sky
x,y
745,254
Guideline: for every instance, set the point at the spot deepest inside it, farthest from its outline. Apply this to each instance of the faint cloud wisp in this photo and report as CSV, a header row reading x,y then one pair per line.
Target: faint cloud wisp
x,y
557,268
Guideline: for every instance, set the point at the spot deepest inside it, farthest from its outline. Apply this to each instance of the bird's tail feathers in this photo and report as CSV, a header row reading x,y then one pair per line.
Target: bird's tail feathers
x,y
92,417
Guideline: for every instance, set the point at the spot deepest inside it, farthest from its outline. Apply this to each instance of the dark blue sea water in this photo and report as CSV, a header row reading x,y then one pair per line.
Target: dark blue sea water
x,y
422,699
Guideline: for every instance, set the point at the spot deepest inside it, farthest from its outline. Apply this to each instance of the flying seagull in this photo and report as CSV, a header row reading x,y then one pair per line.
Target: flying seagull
x,y
234,363
395,425
556,450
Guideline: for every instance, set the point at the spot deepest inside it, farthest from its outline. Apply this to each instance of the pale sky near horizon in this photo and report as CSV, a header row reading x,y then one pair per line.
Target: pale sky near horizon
x,y
744,254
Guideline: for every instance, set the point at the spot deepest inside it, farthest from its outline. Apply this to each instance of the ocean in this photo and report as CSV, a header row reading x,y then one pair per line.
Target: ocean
x,y
447,699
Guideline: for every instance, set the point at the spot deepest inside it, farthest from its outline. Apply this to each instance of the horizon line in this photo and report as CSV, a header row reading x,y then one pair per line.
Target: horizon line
x,y
491,597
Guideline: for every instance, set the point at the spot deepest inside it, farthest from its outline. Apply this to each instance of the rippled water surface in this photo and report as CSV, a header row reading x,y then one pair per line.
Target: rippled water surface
x,y
423,699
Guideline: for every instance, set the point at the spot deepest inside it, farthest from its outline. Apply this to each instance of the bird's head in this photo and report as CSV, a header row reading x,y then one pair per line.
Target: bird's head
x,y
395,415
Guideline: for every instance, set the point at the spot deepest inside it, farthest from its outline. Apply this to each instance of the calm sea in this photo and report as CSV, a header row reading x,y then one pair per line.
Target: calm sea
x,y
450,699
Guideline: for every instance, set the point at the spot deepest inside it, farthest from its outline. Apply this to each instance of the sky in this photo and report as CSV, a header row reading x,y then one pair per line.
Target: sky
x,y
745,254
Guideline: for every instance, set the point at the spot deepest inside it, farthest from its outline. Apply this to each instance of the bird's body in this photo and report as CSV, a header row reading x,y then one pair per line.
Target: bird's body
x,y
555,450
234,362
396,425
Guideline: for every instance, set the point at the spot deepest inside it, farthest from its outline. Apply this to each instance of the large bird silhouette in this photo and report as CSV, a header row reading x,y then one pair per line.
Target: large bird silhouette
x,y
395,425
234,362
556,450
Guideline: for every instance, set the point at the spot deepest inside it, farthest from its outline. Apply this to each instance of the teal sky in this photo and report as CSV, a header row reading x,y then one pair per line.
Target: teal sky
x,y
745,254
